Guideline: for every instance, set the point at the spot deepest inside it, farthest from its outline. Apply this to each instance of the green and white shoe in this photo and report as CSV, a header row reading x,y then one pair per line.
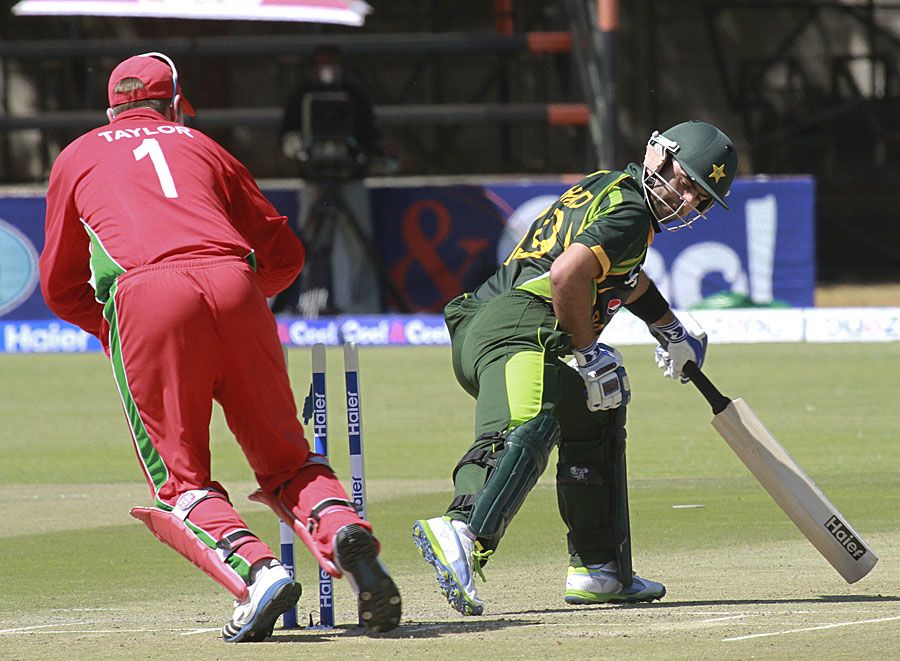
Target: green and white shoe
x,y
452,554
585,585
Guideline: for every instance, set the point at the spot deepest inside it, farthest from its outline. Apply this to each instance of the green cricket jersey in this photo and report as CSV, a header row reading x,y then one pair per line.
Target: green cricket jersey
x,y
606,212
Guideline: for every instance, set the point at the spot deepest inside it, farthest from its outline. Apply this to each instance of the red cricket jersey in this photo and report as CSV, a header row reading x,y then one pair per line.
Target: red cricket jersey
x,y
143,190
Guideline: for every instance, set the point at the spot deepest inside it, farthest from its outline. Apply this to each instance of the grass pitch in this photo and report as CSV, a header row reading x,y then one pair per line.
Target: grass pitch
x,y
82,580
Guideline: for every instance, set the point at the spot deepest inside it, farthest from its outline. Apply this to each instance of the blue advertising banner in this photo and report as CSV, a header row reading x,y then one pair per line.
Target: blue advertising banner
x,y
45,336
365,330
54,336
21,241
442,240
438,241
725,326
764,247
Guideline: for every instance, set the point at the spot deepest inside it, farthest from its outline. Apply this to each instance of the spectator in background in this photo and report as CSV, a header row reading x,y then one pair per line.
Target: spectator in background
x,y
329,129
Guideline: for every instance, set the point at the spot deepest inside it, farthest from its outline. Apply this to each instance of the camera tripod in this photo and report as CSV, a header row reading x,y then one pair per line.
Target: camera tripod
x,y
328,212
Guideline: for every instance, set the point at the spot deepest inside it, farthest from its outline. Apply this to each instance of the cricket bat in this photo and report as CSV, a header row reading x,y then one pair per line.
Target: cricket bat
x,y
791,488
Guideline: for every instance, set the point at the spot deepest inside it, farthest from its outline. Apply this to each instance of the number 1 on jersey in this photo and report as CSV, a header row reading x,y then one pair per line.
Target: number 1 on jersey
x,y
150,147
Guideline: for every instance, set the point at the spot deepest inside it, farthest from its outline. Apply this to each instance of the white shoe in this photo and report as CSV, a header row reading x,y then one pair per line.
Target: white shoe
x,y
451,553
586,585
271,593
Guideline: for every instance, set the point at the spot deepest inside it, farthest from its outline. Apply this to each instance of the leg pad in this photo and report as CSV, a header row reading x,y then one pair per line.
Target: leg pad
x,y
172,531
519,465
275,504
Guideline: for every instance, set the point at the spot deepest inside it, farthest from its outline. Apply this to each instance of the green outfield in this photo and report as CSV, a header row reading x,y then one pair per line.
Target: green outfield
x,y
82,580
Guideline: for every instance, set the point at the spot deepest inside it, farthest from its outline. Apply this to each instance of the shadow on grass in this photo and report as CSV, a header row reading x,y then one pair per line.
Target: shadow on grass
x,y
825,598
410,629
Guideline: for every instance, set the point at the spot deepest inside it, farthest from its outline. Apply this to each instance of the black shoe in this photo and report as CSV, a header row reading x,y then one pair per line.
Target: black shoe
x,y
378,598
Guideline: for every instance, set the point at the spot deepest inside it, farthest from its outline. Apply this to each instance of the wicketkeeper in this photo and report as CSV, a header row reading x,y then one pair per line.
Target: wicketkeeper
x,y
574,268
160,243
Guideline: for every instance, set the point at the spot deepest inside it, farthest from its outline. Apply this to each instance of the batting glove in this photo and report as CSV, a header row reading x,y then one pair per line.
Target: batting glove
x,y
678,345
605,380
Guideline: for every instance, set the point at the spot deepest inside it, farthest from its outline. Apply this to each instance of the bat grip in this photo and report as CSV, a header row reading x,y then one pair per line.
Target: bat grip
x,y
716,399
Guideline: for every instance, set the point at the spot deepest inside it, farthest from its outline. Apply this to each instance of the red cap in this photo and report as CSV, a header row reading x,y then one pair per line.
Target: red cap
x,y
160,80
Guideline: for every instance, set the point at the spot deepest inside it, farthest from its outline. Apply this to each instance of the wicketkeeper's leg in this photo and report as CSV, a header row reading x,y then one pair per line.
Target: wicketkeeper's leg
x,y
315,505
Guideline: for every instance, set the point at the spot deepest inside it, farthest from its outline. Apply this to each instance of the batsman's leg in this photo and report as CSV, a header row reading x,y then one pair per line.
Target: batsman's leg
x,y
502,353
492,481
592,492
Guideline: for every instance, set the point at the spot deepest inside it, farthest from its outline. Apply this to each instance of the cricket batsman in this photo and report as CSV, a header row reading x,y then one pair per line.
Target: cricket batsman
x,y
578,263
160,243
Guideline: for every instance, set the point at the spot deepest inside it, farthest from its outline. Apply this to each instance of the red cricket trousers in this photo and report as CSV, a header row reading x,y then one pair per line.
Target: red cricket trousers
x,y
187,332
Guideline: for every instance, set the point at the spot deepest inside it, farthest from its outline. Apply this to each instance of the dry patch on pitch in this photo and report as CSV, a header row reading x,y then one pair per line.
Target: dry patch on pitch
x,y
770,600
764,600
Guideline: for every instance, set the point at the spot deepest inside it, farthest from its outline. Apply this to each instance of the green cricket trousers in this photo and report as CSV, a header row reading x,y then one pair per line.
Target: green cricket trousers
x,y
507,354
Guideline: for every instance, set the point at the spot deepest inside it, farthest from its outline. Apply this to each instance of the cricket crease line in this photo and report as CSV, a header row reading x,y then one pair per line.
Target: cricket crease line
x,y
722,619
194,632
819,628
85,610
48,626
93,631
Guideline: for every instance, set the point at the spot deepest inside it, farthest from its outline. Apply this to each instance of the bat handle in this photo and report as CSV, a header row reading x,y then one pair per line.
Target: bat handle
x,y
716,399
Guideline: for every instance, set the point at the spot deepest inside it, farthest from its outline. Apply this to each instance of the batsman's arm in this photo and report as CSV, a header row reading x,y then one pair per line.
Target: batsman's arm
x,y
679,342
648,304
571,278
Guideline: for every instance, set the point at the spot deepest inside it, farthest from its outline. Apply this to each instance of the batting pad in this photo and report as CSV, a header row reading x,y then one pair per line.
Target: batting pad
x,y
171,531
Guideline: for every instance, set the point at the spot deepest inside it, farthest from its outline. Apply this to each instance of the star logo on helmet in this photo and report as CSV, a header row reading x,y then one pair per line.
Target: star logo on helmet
x,y
718,172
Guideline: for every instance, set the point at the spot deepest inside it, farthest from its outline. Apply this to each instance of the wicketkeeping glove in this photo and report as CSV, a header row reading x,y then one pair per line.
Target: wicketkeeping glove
x,y
679,343
605,380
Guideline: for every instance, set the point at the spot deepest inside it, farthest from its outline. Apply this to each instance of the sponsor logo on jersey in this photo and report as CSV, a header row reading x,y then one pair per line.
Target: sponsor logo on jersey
x,y
613,306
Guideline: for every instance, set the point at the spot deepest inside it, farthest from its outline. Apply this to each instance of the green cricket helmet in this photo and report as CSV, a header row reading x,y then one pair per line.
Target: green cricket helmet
x,y
707,156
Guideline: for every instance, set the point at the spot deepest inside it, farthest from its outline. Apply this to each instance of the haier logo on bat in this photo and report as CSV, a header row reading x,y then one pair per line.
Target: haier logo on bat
x,y
18,267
